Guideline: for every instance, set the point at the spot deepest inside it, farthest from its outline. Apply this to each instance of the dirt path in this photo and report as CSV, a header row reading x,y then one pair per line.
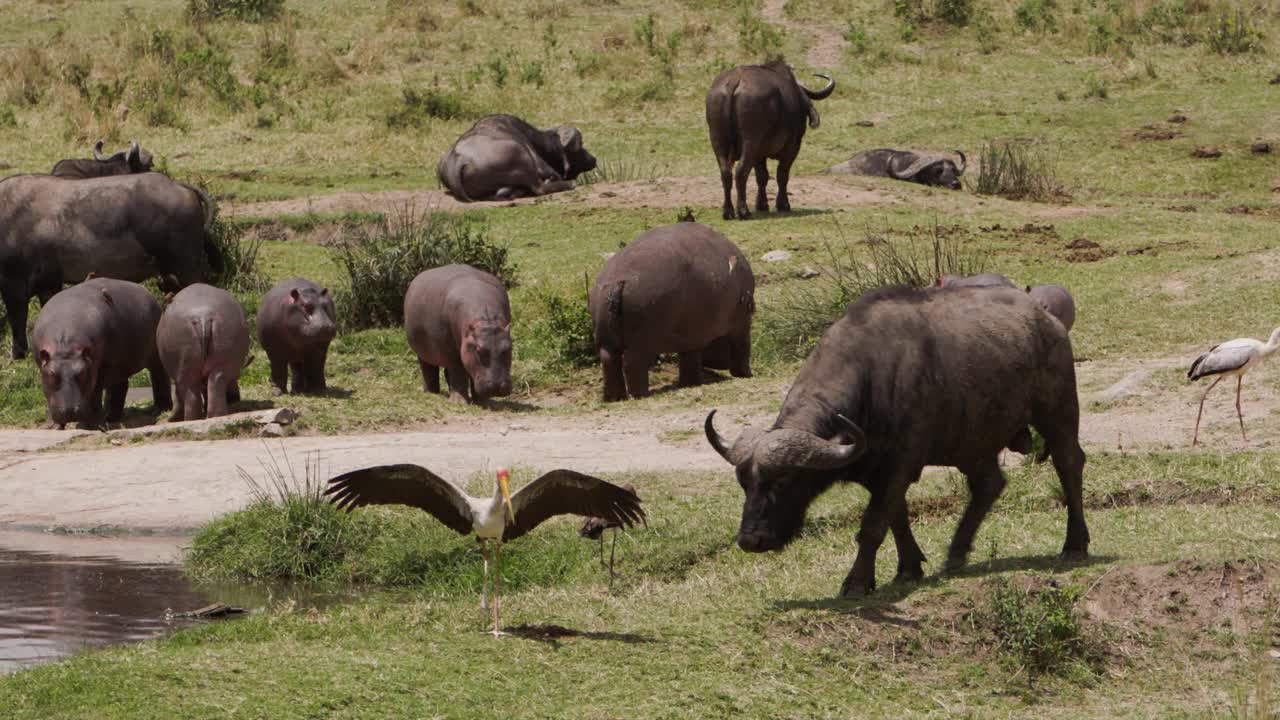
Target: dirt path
x,y
826,44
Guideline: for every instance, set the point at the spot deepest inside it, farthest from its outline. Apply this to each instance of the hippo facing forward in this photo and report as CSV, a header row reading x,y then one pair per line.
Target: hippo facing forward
x,y
682,288
296,323
90,339
203,341
459,318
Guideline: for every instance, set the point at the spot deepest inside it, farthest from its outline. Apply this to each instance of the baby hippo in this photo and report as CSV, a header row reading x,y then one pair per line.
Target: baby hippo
x,y
203,340
459,318
296,323
90,339
1057,301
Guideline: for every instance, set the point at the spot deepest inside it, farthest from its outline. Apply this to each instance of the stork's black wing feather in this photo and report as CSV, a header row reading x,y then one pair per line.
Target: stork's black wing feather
x,y
403,484
562,492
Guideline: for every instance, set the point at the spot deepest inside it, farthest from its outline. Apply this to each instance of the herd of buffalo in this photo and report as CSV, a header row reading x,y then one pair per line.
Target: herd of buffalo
x,y
948,375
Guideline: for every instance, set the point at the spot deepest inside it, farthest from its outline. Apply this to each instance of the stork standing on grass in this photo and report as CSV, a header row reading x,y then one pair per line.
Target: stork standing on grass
x,y
1234,357
501,518
593,529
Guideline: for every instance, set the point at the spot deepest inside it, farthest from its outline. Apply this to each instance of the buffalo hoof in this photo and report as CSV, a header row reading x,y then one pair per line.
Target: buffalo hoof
x,y
914,574
727,215
744,214
782,204
857,588
1074,555
954,565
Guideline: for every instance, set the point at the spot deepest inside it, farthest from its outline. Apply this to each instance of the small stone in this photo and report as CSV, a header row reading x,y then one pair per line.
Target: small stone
x,y
807,273
1273,654
1260,148
272,430
116,442
1207,152
608,194
776,256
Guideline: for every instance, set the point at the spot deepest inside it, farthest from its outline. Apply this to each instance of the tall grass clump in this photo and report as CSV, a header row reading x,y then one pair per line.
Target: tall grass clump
x,y
563,330
1018,171
1233,33
756,37
239,272
418,108
382,258
796,320
1038,629
247,10
620,170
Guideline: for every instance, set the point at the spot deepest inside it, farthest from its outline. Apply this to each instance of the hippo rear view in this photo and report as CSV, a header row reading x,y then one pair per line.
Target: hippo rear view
x,y
203,341
682,288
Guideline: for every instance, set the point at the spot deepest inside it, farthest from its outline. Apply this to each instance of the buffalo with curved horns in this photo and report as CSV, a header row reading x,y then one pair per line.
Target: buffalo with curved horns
x,y
503,157
754,113
126,162
909,378
924,168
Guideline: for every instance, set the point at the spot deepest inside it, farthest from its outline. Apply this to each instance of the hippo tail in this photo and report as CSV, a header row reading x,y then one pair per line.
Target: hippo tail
x,y
449,171
203,330
608,322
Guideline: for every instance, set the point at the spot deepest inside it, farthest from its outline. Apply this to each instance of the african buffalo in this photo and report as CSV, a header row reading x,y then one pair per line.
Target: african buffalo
x,y
125,162
909,378
754,113
503,157
128,227
980,280
926,169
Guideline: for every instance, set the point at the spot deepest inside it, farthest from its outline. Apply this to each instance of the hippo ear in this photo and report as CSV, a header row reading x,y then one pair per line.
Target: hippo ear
x,y
42,358
294,296
86,353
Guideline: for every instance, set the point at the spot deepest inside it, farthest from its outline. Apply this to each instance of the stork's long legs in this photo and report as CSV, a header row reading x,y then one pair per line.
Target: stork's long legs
x,y
1239,380
497,589
484,584
1196,436
612,544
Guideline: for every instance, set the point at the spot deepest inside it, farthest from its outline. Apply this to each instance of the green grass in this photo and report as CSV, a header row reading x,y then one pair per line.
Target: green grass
x,y
721,631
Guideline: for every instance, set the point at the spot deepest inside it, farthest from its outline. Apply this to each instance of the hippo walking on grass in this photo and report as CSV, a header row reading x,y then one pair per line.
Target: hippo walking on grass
x,y
459,318
682,288
203,341
296,323
90,339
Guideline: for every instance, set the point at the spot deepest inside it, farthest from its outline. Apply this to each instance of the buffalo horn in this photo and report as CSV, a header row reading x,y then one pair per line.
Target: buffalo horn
x,y
824,92
714,438
963,163
97,150
132,154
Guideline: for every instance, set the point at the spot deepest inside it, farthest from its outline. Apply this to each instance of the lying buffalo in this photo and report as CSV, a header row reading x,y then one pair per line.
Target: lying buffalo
x,y
980,280
125,162
927,169
754,113
909,378
127,227
503,157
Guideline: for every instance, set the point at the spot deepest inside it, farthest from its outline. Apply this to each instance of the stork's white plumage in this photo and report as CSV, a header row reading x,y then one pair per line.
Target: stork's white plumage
x,y
501,518
1234,357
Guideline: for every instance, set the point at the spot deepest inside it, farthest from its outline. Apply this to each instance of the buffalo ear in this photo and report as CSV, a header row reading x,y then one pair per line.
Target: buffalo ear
x,y
324,292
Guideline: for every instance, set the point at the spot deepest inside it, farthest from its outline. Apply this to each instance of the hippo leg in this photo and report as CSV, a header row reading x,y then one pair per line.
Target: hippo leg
x,y
299,379
179,404
986,482
635,367
15,304
216,393
279,377
615,385
783,202
690,369
762,182
159,384
458,384
233,393
91,415
740,356
192,402
430,377
313,368
115,401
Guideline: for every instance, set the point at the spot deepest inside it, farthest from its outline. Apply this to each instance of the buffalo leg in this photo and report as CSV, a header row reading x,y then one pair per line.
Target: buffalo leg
x,y
986,482
615,384
430,377
726,179
115,400
910,556
1068,461
458,384
635,367
299,378
783,202
279,377
690,369
740,355
762,183
15,304
883,506
740,174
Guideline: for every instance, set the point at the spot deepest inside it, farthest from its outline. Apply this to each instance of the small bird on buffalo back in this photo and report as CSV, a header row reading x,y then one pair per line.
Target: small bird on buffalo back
x,y
593,529
1234,357
501,518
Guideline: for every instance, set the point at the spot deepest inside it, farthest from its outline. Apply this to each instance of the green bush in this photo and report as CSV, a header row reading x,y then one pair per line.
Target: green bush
x,y
756,37
418,107
1038,628
1233,33
1037,15
564,330
1018,171
857,36
8,119
381,259
247,10
955,12
531,73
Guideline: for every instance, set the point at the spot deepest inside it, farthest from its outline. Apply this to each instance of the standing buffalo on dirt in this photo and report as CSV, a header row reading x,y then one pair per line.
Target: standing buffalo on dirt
x,y
459,318
125,162
680,288
90,339
296,323
128,227
909,378
923,168
504,157
203,341
754,113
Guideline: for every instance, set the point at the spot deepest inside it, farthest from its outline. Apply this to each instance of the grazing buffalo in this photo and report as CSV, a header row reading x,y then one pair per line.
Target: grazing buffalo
x,y
754,113
503,157
127,227
125,162
909,378
682,288
923,168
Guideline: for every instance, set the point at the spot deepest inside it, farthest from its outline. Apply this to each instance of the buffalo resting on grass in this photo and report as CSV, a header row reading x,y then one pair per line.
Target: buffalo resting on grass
x,y
909,378
133,160
924,168
503,157
754,113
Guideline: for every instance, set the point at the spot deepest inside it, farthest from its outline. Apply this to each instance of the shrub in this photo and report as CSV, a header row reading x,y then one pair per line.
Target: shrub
x,y
652,90
564,332
498,71
1018,171
1096,87
247,10
856,35
418,107
1037,15
381,259
955,12
794,323
1233,34
531,73
1039,628
621,170
240,272
755,36
8,119
645,32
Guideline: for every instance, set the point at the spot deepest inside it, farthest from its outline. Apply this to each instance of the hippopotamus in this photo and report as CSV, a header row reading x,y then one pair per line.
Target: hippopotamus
x,y
296,322
981,280
459,318
90,339
1057,301
203,341
681,288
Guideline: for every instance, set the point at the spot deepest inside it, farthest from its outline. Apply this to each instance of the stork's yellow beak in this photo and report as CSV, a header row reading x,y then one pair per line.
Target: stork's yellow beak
x,y
503,476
